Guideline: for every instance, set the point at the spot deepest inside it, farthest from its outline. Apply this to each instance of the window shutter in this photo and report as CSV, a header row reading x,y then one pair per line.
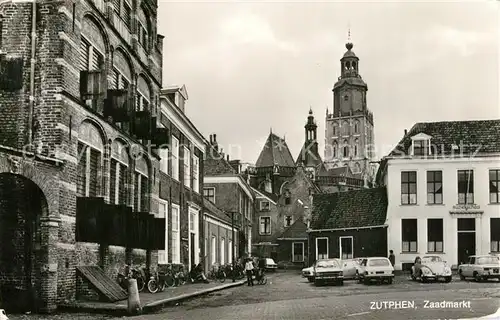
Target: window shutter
x,y
144,194
136,189
84,55
97,60
116,5
127,15
122,189
112,181
81,179
94,172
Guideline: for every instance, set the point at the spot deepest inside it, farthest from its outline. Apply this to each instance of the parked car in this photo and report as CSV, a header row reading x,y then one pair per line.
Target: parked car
x,y
349,267
270,264
328,270
377,268
480,268
431,268
308,273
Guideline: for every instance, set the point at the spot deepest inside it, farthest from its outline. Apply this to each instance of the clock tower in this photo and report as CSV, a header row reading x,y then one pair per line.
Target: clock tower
x,y
349,128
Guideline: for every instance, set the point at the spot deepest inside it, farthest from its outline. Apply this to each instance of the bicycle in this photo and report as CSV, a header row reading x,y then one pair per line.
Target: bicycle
x,y
217,273
159,281
132,273
260,277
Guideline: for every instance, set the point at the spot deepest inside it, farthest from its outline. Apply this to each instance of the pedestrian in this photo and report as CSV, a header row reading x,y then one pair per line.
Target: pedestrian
x,y
392,257
249,271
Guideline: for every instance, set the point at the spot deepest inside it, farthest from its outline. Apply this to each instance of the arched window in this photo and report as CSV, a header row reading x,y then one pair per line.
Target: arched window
x,y
90,160
141,185
143,94
92,46
345,128
335,149
143,30
356,147
122,71
119,173
356,126
346,149
335,129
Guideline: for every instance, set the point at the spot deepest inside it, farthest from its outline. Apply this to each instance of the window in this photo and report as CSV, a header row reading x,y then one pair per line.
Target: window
x,y
187,167
288,221
163,213
90,57
434,187
118,180
264,205
164,160
265,225
209,194
142,36
356,143
196,174
119,80
321,248
297,252
213,251
175,158
435,235
345,128
465,186
494,186
222,252
288,200
335,149
126,15
409,235
230,251
192,217
346,149
495,234
356,126
88,171
409,187
141,102
176,237
420,147
141,192
335,129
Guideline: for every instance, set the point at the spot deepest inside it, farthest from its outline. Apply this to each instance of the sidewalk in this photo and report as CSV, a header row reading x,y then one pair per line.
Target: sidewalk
x,y
151,302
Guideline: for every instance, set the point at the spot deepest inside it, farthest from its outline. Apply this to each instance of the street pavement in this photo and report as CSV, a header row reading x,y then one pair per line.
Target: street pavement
x,y
289,296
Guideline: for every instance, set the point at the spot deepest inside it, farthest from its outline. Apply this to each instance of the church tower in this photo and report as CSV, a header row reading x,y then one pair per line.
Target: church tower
x,y
349,129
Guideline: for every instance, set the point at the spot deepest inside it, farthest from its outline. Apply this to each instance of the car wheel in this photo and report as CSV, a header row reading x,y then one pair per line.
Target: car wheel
x,y
477,277
341,282
422,278
389,281
447,279
461,275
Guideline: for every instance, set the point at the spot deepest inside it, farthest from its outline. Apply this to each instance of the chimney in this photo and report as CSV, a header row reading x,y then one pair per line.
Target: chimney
x,y
227,158
235,164
221,153
213,142
406,132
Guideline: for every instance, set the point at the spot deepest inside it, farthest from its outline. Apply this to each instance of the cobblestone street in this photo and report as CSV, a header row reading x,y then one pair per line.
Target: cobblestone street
x,y
288,296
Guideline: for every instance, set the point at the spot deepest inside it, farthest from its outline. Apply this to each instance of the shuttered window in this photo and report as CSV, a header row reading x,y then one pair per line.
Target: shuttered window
x,y
116,6
97,60
144,194
112,181
137,191
122,184
127,14
81,178
141,103
84,55
95,163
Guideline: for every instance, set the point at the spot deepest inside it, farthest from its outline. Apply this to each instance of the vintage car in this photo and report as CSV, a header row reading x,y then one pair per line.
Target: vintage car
x,y
431,268
480,268
377,268
328,270
308,273
349,267
270,264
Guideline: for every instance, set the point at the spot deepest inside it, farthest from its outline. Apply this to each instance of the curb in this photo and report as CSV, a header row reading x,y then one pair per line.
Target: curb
x,y
121,310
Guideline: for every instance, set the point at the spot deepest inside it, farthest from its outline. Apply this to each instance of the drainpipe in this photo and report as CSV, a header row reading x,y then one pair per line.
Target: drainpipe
x,y
32,76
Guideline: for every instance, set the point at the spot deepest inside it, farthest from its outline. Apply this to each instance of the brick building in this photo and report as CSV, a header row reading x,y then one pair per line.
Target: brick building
x,y
226,188
80,86
181,181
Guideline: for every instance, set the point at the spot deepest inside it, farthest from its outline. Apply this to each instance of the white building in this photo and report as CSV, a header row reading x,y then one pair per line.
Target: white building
x,y
443,191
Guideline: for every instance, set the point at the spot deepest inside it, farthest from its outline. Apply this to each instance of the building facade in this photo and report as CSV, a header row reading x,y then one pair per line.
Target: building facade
x,y
349,128
442,184
79,85
229,191
181,181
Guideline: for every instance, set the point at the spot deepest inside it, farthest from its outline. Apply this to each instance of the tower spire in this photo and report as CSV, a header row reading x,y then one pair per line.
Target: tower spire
x,y
349,33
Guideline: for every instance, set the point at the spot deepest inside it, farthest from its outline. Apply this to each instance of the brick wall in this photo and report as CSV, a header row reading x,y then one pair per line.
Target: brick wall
x,y
219,232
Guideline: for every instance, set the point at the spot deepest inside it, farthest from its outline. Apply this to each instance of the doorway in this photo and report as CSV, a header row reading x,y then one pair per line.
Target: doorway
x,y
321,248
466,239
192,249
346,250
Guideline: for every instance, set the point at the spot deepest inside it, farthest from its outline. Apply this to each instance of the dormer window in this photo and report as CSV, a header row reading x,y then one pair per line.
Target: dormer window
x,y
421,145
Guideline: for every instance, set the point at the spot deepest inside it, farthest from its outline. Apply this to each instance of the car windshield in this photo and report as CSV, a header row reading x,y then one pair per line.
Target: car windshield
x,y
378,263
431,259
488,260
327,264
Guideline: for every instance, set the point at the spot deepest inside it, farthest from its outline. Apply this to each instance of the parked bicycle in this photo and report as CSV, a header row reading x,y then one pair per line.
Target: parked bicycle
x,y
217,273
260,276
180,276
132,273
159,281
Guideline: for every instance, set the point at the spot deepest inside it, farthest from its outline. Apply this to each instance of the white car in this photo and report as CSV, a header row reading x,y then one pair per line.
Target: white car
x,y
350,268
480,268
328,270
376,268
308,273
270,264
431,268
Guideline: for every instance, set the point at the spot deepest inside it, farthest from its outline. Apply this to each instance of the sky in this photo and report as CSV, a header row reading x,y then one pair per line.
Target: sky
x,y
252,66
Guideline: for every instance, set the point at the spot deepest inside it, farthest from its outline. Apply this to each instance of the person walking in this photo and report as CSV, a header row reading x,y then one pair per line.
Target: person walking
x,y
392,257
249,271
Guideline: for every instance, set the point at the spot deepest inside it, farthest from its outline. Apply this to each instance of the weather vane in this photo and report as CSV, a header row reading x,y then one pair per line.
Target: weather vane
x,y
349,32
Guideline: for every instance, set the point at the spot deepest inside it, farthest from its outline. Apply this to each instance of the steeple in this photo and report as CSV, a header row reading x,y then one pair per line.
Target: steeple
x,y
310,128
349,62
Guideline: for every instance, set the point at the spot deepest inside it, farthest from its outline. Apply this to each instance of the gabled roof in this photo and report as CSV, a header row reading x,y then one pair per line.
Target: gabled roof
x,y
275,152
215,164
298,230
309,156
351,209
482,136
215,211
